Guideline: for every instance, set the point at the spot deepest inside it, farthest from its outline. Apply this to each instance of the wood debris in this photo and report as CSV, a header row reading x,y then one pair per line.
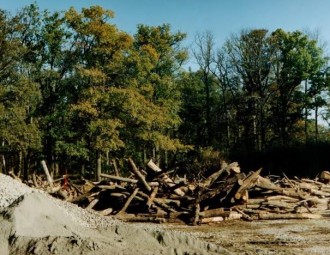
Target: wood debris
x,y
152,195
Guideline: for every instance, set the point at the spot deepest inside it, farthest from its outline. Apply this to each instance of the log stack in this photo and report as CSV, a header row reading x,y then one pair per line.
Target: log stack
x,y
153,195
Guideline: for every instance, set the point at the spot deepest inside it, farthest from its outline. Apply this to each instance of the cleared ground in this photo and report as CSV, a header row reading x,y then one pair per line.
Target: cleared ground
x,y
267,237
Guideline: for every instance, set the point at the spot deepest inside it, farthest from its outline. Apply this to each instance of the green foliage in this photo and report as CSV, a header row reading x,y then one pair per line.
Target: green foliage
x,y
74,88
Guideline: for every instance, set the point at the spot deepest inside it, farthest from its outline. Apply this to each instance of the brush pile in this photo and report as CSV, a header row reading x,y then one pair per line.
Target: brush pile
x,y
152,195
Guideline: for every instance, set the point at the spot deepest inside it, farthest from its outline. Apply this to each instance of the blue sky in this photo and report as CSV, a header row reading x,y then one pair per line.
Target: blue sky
x,y
191,16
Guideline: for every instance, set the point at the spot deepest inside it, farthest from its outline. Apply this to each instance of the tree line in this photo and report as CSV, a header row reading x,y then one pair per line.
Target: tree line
x,y
80,93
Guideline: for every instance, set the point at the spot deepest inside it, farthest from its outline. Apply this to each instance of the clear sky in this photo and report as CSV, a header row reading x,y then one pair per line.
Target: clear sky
x,y
222,17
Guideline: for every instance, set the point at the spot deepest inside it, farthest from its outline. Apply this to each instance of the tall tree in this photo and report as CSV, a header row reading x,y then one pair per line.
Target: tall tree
x,y
99,48
250,54
161,53
298,58
19,97
204,55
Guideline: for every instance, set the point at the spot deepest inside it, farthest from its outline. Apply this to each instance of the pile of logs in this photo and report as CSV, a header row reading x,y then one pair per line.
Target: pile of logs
x,y
152,195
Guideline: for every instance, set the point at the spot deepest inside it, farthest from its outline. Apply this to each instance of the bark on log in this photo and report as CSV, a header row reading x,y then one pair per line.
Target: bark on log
x,y
212,178
118,178
63,194
158,202
248,182
114,163
152,196
286,216
165,178
282,198
266,184
197,211
139,175
212,220
280,204
214,213
233,167
141,218
325,176
244,215
129,200
34,180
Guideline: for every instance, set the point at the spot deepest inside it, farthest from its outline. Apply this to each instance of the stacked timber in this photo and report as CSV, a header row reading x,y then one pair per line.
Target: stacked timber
x,y
153,195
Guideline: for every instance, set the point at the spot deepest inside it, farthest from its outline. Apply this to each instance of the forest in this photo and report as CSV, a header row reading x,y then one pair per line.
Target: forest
x,y
81,94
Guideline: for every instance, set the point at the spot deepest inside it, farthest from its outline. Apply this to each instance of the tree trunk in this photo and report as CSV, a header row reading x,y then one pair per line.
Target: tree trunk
x,y
316,124
2,164
82,170
25,167
98,167
306,115
115,167
20,164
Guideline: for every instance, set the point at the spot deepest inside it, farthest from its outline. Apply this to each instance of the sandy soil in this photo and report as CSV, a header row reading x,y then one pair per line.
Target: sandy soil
x,y
34,224
304,237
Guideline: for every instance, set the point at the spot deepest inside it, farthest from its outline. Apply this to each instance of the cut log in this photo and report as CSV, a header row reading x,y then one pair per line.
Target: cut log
x,y
234,215
82,197
325,176
282,198
46,171
152,196
266,184
312,181
293,193
129,200
34,180
159,202
109,187
212,220
106,212
280,204
139,175
153,166
214,213
118,178
92,203
243,214
234,168
153,184
75,187
212,178
63,194
165,178
286,216
248,182
140,218
114,163
197,211
226,187
308,186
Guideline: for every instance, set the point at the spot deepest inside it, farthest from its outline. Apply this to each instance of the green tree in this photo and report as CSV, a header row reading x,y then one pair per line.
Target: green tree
x,y
250,55
19,97
298,58
160,52
99,48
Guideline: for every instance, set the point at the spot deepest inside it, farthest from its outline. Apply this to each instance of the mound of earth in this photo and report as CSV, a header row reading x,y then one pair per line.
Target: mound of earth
x,y
35,224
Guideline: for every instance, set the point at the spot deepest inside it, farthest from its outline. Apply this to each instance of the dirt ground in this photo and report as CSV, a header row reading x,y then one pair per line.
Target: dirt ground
x,y
267,237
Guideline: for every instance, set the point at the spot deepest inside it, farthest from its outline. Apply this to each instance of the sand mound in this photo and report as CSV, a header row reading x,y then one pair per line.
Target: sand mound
x,y
35,224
